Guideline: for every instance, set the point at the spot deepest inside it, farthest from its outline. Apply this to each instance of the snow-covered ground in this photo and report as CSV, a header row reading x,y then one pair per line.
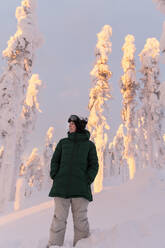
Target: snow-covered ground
x,y
126,216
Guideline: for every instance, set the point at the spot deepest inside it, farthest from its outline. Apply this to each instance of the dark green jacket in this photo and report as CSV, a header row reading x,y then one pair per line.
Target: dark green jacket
x,y
74,166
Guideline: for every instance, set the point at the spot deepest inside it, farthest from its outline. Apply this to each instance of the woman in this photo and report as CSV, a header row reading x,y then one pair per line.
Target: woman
x,y
74,166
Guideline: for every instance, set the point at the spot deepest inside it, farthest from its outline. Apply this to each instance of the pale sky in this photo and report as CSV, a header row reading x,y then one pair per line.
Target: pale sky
x,y
69,28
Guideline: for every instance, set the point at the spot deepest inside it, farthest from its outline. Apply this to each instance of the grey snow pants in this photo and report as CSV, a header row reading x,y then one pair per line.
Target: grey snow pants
x,y
79,212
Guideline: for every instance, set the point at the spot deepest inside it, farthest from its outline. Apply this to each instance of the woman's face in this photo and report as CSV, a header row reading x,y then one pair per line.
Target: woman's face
x,y
72,127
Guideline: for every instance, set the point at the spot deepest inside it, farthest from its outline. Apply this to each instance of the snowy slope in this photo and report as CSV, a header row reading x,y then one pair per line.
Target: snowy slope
x,y
126,216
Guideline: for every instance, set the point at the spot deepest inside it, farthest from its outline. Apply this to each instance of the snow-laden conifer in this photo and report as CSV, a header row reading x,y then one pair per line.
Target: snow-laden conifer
x,y
99,94
128,89
13,85
33,173
26,124
118,168
30,107
151,112
47,155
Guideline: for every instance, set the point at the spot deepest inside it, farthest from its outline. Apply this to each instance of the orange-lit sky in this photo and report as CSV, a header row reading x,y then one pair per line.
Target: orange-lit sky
x,y
67,55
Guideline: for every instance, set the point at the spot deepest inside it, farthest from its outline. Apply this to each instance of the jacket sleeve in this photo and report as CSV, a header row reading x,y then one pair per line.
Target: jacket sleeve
x,y
55,161
92,164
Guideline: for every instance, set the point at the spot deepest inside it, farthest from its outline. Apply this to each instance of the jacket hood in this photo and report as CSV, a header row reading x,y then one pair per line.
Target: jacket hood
x,y
76,136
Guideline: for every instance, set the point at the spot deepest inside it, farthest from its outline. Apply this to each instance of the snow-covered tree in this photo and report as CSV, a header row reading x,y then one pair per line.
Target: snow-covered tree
x,y
118,167
151,112
161,6
33,173
13,85
47,155
128,89
29,112
99,94
26,124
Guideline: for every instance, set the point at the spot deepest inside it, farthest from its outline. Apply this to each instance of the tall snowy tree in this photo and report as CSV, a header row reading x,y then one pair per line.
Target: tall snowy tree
x,y
26,124
47,155
161,6
33,173
13,86
151,112
118,167
99,94
128,90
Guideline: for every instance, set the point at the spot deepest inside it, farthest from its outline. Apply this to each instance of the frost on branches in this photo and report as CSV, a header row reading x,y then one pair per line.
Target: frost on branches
x,y
128,89
13,86
47,155
99,94
151,112
118,168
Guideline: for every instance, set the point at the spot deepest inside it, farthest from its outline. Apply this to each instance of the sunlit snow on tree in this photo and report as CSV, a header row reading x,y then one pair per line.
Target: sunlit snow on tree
x,y
118,168
34,173
13,86
49,147
128,89
99,94
151,112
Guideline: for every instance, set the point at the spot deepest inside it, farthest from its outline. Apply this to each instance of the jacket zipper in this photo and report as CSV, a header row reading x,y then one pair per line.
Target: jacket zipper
x,y
71,166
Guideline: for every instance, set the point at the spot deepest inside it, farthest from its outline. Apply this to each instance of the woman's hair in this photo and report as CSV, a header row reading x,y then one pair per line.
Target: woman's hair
x,y
84,122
